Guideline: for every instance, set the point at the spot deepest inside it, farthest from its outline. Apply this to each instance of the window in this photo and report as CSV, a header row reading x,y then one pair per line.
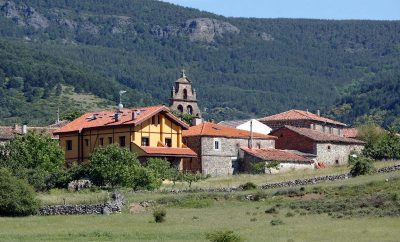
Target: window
x,y
145,141
86,142
168,142
110,140
180,108
185,95
69,144
122,141
101,141
258,145
154,120
337,162
329,148
190,109
330,130
217,144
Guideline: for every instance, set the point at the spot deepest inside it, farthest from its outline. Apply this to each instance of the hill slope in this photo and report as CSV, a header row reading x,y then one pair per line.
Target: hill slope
x,y
240,67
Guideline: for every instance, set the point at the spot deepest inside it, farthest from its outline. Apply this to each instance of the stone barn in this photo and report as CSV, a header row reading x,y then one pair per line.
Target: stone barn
x,y
329,148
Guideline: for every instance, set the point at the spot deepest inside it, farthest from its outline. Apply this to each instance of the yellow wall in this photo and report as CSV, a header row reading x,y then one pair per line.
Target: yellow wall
x,y
133,134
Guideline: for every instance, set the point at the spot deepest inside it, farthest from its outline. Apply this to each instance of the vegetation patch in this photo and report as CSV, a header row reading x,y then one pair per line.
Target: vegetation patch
x,y
223,236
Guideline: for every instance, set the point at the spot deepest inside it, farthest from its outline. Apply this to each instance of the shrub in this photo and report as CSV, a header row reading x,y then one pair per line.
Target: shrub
x,y
248,186
290,214
160,168
143,179
275,222
272,210
17,198
112,165
360,165
223,236
159,215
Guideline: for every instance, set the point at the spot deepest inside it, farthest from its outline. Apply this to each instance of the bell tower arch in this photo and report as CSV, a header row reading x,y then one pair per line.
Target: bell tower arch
x,y
184,97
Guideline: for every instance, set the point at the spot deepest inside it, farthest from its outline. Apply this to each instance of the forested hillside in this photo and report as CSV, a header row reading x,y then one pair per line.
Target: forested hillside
x,y
240,67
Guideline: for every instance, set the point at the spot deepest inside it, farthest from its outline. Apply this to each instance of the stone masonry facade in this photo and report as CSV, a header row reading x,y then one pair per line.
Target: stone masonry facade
x,y
335,154
225,160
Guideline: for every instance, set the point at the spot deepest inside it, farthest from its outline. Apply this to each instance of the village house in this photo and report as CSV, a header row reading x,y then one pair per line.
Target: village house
x,y
248,125
218,147
8,133
148,131
304,119
328,148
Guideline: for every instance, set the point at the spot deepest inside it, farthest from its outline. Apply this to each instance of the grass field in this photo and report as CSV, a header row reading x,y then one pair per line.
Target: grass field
x,y
365,208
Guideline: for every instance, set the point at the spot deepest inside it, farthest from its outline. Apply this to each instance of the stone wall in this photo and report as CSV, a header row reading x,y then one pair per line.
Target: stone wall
x,y
247,162
315,125
335,154
225,161
113,206
290,140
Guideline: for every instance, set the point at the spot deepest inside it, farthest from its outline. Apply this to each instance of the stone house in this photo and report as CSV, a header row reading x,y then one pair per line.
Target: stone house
x,y
218,147
304,119
248,124
147,131
329,148
183,97
288,160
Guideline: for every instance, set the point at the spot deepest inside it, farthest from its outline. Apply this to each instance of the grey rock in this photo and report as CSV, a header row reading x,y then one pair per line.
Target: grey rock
x,y
266,37
89,27
35,19
206,29
70,24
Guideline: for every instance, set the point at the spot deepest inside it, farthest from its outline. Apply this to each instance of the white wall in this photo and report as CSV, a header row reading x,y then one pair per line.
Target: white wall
x,y
258,127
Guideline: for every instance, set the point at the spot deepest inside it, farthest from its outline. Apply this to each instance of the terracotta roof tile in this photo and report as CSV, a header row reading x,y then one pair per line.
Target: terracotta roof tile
x,y
299,115
107,119
350,133
168,151
275,154
216,130
320,136
7,132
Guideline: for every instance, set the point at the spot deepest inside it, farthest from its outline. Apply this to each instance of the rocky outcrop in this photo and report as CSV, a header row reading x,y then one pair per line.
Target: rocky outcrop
x,y
200,29
24,15
266,37
206,29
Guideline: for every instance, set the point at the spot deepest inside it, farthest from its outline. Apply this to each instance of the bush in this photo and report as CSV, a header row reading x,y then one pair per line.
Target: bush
x,y
17,198
159,215
143,179
223,236
160,168
272,210
275,222
248,186
360,165
112,165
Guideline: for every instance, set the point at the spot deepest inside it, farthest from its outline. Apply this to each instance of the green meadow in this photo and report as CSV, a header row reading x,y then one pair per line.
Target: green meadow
x,y
366,208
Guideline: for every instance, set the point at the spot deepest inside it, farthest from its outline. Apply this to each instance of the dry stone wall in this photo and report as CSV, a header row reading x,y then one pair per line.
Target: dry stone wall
x,y
113,206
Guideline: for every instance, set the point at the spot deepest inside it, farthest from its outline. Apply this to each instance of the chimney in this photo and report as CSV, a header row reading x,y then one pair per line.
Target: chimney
x,y
134,115
24,129
251,135
318,112
116,117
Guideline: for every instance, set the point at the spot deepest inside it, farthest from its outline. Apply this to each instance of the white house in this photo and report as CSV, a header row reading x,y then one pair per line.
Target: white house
x,y
258,127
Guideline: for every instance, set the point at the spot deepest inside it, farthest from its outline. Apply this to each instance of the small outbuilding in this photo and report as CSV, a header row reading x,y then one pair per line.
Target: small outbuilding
x,y
287,160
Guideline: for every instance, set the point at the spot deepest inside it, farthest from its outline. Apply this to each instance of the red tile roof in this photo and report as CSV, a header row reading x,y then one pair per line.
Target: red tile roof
x,y
278,155
216,130
7,132
320,136
107,119
350,133
299,115
168,151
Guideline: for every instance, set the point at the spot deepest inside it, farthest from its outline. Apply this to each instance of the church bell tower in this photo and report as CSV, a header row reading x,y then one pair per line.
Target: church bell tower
x,y
183,98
